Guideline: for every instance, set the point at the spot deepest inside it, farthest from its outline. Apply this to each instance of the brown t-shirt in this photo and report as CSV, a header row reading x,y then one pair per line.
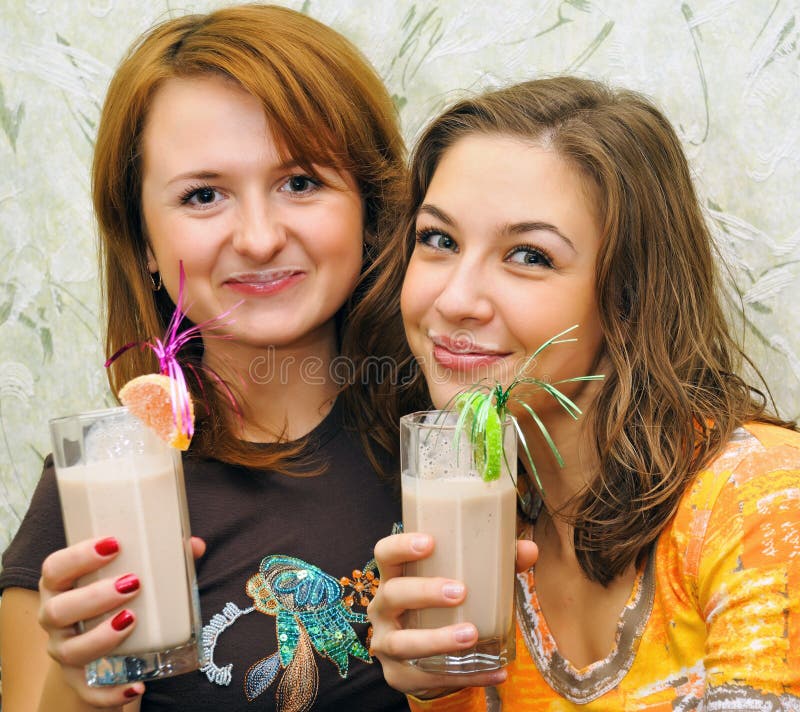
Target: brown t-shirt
x,y
312,646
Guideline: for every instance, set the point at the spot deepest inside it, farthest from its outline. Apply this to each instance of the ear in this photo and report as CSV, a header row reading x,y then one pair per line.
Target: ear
x,y
152,263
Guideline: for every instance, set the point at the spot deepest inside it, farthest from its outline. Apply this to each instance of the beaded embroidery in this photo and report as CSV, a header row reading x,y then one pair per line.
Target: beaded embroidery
x,y
313,611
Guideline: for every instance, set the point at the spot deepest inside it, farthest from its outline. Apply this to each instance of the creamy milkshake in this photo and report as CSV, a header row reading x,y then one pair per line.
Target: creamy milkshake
x,y
117,478
138,503
473,524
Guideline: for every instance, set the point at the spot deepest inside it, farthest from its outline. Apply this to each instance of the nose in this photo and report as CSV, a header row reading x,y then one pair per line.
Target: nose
x,y
465,296
259,233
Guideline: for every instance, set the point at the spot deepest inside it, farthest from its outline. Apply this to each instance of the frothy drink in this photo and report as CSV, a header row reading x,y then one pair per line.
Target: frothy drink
x,y
137,501
473,524
117,478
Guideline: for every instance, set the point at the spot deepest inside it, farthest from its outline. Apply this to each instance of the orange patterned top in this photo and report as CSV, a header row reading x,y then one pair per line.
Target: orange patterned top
x,y
713,620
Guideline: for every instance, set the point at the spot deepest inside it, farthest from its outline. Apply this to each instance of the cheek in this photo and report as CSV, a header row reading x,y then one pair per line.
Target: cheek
x,y
337,258
410,311
406,303
173,240
344,247
418,294
589,333
349,268
345,255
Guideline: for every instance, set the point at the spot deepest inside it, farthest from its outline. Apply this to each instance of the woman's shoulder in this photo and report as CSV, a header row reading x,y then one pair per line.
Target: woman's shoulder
x,y
772,439
753,458
746,499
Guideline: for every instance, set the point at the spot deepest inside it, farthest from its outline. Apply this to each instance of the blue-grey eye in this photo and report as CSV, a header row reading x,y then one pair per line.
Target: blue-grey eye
x,y
529,256
437,239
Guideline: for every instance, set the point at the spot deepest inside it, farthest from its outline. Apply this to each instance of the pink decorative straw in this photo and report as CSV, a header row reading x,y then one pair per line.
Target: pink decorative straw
x,y
167,353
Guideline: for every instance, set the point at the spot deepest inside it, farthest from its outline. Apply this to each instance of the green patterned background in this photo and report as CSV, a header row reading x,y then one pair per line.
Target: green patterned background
x,y
726,72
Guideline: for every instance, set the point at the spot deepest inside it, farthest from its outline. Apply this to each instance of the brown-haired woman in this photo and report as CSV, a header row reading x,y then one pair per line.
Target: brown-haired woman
x,y
258,148
667,572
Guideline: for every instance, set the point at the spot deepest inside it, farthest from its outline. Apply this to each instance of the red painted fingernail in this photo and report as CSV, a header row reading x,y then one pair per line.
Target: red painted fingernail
x,y
130,692
122,620
106,547
127,583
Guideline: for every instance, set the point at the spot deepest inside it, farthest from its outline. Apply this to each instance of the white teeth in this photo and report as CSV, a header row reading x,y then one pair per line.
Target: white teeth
x,y
265,277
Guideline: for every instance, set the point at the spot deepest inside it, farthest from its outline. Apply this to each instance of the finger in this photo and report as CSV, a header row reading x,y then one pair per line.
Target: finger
x,y
102,697
62,568
86,602
80,649
416,643
198,547
409,592
392,552
527,554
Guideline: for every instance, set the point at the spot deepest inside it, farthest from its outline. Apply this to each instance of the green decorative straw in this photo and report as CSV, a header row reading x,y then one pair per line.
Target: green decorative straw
x,y
484,409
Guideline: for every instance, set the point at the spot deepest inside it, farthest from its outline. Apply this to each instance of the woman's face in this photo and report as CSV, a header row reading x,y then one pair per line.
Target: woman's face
x,y
249,226
507,241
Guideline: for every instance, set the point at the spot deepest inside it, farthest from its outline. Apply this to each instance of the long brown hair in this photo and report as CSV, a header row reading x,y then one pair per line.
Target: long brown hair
x,y
325,103
673,396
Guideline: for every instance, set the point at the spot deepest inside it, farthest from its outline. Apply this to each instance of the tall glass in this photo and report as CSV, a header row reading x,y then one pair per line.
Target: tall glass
x,y
473,524
117,478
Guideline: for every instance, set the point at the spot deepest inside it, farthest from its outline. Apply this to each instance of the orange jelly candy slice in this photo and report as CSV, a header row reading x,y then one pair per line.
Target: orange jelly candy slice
x,y
149,398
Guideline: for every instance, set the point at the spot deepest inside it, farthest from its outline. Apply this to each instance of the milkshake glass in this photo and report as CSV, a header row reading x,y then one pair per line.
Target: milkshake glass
x,y
117,478
473,524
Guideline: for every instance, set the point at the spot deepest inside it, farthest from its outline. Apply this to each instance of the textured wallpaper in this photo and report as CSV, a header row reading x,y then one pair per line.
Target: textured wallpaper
x,y
726,72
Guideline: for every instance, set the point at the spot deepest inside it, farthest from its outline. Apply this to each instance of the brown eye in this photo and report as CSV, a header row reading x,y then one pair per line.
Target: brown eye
x,y
205,196
301,184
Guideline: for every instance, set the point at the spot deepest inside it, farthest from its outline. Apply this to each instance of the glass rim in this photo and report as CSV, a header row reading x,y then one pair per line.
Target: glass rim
x,y
409,419
88,415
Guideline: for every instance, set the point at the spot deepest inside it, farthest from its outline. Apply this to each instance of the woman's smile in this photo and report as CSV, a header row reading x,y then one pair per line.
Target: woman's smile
x,y
462,353
264,283
506,242
253,228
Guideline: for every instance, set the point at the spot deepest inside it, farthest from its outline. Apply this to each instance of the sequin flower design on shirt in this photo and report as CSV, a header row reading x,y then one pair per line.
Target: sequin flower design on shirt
x,y
312,613
362,585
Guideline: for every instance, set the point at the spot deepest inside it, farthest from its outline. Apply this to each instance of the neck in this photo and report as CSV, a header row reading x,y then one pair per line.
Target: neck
x,y
561,485
282,393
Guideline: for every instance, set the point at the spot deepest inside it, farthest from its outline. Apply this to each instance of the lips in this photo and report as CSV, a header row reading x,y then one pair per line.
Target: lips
x,y
463,354
264,282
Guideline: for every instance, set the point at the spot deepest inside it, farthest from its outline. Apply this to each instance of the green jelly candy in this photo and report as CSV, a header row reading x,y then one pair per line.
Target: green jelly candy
x,y
494,446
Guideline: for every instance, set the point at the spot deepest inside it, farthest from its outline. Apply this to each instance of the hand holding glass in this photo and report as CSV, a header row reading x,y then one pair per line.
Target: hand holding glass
x,y
117,478
473,523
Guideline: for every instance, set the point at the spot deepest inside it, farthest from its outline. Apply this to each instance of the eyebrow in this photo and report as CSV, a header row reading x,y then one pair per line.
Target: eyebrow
x,y
433,211
213,175
194,175
519,228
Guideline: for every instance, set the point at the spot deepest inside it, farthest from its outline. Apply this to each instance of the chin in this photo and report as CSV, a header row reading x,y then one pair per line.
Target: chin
x,y
443,394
